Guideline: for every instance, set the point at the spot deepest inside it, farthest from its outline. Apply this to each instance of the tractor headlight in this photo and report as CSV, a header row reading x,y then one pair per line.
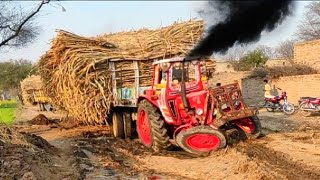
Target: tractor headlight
x,y
199,112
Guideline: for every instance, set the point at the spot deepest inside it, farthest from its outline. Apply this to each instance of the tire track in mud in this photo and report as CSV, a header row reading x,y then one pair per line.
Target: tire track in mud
x,y
119,158
277,162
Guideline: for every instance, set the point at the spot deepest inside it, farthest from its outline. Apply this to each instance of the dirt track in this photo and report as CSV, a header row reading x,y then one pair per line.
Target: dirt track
x,y
289,149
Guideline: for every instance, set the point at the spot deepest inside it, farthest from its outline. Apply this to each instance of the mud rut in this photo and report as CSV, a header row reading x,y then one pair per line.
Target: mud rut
x,y
99,156
107,157
118,158
279,164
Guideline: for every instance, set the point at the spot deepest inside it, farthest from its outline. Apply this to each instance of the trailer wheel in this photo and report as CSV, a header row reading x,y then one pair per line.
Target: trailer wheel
x,y
117,125
41,106
47,106
151,127
201,140
127,122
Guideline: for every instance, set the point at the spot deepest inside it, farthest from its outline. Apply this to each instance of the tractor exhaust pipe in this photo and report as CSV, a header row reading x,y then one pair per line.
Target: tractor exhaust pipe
x,y
185,101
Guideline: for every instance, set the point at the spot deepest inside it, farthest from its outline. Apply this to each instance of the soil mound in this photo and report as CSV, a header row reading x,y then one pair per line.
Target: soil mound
x,y
36,160
39,142
41,120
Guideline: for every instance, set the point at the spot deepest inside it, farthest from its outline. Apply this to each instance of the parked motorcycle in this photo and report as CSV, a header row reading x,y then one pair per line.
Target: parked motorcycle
x,y
309,105
272,104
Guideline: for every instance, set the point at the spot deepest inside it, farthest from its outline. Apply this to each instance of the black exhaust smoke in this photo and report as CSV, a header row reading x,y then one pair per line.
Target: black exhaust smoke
x,y
244,22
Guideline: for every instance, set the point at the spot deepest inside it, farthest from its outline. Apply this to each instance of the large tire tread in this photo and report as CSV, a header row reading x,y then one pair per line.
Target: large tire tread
x,y
160,137
257,130
127,124
117,125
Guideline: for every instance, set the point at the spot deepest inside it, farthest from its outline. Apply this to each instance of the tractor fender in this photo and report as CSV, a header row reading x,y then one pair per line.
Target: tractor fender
x,y
153,101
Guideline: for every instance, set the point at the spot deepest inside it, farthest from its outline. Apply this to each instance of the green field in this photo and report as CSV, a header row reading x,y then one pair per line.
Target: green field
x,y
7,111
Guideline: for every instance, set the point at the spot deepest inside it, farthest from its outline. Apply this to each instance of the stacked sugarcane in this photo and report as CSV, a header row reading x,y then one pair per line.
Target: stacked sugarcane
x,y
29,86
76,69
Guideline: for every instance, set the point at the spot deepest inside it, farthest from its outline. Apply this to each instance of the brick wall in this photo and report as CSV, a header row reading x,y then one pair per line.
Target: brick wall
x,y
277,62
223,67
295,86
308,53
227,77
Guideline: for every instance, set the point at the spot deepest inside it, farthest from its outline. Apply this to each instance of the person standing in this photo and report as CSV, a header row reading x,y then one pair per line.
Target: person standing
x,y
267,89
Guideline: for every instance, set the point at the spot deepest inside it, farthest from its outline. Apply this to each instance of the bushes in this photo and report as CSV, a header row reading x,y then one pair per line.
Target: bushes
x,y
280,71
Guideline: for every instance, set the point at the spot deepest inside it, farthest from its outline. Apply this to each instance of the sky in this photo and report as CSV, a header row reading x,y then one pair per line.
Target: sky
x,y
92,18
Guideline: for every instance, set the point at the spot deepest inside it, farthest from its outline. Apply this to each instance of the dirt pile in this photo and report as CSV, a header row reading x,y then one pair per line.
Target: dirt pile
x,y
41,119
27,156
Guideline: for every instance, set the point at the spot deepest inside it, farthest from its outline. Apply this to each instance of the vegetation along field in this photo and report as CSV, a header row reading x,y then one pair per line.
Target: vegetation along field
x,y
7,111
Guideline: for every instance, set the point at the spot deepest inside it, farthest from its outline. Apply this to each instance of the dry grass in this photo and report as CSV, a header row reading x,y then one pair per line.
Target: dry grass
x,y
8,135
76,69
276,72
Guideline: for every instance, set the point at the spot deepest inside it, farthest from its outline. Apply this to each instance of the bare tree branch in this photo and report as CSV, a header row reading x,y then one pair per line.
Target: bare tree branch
x,y
285,50
16,31
309,28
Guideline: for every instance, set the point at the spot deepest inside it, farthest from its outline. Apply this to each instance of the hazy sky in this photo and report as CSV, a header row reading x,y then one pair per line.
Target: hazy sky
x,y
93,18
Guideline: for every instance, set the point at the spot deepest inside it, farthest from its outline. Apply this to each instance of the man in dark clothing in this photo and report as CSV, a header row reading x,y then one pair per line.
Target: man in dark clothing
x,y
177,72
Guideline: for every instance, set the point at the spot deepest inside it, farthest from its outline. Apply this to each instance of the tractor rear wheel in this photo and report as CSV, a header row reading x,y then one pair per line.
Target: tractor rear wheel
x,y
151,127
250,125
201,140
117,124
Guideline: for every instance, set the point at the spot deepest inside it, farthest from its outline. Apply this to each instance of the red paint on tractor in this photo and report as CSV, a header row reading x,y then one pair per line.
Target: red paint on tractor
x,y
144,128
203,142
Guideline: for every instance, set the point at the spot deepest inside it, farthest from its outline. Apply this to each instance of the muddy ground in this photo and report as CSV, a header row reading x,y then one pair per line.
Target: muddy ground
x,y
288,149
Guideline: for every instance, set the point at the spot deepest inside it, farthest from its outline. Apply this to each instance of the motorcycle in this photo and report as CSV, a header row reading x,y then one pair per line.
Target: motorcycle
x,y
309,105
274,103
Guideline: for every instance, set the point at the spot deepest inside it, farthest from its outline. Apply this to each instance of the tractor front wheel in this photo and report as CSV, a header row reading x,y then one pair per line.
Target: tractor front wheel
x,y
151,127
251,126
201,140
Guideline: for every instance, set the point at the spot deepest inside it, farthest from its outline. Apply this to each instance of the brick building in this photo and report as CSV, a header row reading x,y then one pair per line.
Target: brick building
x,y
277,62
308,53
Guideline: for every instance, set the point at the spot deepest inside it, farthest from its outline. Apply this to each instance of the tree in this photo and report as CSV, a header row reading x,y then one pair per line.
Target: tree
x,y
285,50
12,72
234,55
17,27
309,28
270,52
253,59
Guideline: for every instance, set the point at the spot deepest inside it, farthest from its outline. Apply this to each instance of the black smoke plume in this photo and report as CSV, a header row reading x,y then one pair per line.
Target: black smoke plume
x,y
243,24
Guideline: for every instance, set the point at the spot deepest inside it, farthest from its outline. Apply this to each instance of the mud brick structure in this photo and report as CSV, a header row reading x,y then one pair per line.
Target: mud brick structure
x,y
308,53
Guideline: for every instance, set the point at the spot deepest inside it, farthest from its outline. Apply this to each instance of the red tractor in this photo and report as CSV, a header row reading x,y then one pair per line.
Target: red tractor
x,y
180,109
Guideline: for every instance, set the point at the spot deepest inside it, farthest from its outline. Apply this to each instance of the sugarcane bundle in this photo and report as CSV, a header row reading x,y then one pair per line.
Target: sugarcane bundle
x,y
29,86
76,70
